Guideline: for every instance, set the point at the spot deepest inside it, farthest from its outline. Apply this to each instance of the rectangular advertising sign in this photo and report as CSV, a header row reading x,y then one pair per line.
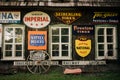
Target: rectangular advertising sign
x,y
10,17
83,29
37,40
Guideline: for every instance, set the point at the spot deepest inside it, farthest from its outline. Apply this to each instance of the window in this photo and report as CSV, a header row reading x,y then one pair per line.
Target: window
x,y
106,42
60,43
13,42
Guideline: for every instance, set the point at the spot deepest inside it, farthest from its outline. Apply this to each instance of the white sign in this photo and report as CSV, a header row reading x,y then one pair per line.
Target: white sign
x,y
36,19
0,35
9,17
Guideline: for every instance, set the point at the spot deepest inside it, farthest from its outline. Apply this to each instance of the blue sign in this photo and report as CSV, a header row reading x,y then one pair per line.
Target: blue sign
x,y
37,40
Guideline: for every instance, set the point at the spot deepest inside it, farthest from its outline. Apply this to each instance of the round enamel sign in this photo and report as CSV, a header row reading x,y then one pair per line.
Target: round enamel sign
x,y
36,19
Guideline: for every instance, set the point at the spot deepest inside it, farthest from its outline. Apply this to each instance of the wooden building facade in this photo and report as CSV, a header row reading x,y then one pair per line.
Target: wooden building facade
x,y
73,32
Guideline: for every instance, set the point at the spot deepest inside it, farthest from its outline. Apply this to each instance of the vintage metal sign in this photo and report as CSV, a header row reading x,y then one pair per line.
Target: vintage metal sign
x,y
105,17
10,17
83,29
0,35
83,46
36,19
68,17
37,40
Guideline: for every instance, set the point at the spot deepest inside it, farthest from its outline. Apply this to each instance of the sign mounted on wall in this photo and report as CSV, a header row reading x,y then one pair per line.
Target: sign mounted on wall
x,y
10,17
83,29
105,17
36,19
68,17
37,40
83,46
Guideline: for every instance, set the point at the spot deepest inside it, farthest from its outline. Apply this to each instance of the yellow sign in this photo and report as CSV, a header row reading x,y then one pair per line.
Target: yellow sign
x,y
68,17
83,47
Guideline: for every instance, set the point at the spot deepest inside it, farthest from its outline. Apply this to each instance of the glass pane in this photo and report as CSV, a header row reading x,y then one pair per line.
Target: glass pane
x,y
18,53
55,47
8,47
109,31
18,31
55,53
64,53
110,53
64,47
8,39
8,53
101,46
8,35
65,39
109,39
65,31
110,46
55,38
55,31
18,39
18,47
100,31
100,38
101,53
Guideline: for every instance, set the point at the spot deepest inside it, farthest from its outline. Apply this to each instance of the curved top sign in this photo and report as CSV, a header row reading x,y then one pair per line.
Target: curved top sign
x,y
36,19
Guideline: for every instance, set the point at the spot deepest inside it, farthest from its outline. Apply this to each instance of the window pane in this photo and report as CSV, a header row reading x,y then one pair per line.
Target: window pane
x,y
18,53
55,38
8,35
55,31
101,53
109,31
18,31
18,47
100,31
8,53
8,39
55,47
110,53
100,38
64,31
65,39
109,39
64,53
101,46
55,53
8,47
18,39
110,46
64,47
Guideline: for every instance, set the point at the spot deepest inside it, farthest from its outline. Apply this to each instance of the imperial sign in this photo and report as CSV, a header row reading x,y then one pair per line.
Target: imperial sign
x,y
36,19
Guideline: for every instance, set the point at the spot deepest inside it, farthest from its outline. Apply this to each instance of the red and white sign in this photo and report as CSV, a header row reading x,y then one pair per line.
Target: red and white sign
x,y
36,19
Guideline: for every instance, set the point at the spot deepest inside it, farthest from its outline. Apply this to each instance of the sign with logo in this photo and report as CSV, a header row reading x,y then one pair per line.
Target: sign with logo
x,y
0,35
105,17
10,17
37,40
36,19
83,29
83,46
68,17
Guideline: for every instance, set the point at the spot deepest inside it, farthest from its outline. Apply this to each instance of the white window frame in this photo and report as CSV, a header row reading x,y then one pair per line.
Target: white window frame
x,y
60,57
105,43
13,57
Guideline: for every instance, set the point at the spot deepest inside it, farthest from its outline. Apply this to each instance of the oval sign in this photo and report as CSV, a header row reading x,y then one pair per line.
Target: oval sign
x,y
36,19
